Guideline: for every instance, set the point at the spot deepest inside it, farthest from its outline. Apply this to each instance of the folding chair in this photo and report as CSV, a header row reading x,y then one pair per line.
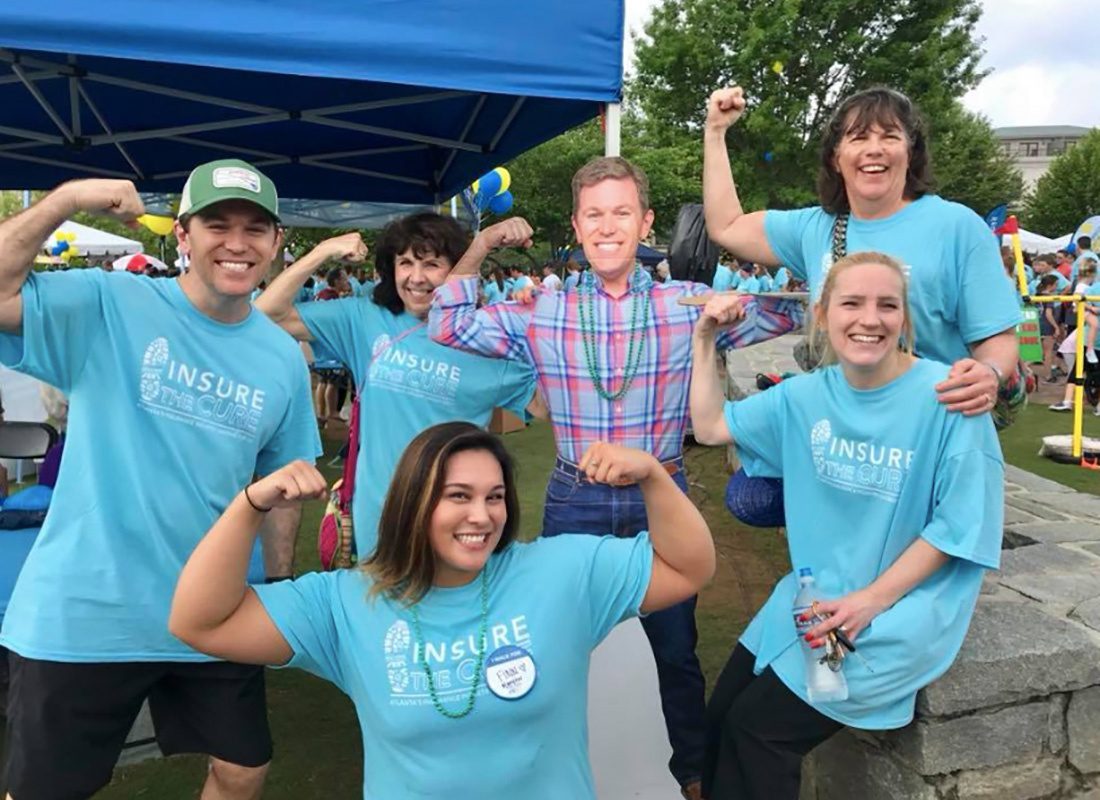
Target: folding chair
x,y
26,440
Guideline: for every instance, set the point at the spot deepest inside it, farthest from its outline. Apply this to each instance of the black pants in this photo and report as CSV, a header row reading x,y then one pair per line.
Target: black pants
x,y
758,731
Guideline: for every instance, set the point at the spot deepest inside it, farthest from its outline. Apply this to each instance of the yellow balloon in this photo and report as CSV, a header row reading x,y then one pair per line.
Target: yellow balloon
x,y
475,186
161,226
777,67
505,179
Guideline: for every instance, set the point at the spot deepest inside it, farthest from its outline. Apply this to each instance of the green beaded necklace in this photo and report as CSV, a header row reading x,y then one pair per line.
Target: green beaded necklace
x,y
639,313
480,654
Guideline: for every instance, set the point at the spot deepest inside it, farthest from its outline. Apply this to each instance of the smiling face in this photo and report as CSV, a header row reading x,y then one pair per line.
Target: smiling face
x,y
230,246
873,162
609,222
864,318
417,277
467,522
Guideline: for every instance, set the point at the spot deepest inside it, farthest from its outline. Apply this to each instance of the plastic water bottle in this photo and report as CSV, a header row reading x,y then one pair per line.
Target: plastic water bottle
x,y
822,684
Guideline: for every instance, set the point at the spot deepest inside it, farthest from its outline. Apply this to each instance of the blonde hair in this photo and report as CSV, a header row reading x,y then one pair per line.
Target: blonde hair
x,y
603,168
820,347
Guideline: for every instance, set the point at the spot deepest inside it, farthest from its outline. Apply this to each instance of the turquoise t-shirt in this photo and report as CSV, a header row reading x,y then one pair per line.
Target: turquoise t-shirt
x,y
781,279
519,284
723,279
493,293
534,747
1061,284
764,283
956,280
571,281
171,413
406,383
865,474
748,284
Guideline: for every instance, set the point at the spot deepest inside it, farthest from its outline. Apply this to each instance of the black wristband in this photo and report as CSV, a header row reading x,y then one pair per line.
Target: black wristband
x,y
249,499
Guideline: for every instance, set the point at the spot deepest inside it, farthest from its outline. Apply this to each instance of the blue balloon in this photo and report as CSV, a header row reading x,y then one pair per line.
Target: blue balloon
x,y
769,156
59,248
489,184
502,203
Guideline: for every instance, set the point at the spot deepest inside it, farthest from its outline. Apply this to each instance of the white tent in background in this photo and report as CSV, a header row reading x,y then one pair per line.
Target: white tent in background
x,y
1033,242
93,242
1063,242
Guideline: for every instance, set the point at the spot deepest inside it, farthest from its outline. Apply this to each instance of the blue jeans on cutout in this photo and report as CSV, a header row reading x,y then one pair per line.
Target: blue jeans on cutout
x,y
573,505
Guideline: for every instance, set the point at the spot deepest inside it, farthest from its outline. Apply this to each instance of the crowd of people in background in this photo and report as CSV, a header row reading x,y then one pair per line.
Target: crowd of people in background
x,y
1062,273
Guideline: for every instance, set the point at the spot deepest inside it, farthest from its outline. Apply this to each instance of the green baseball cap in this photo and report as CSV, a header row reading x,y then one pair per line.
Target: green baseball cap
x,y
228,179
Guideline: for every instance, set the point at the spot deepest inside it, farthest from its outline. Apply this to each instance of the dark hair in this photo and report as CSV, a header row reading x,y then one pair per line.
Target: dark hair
x,y
875,106
1050,277
423,233
403,564
498,276
333,275
1084,242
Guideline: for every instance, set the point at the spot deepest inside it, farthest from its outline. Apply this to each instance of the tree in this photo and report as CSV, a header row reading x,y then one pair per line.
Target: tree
x,y
796,59
969,165
1070,191
541,182
542,178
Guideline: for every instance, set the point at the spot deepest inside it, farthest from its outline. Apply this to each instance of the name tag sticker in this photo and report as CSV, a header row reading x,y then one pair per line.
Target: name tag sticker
x,y
510,672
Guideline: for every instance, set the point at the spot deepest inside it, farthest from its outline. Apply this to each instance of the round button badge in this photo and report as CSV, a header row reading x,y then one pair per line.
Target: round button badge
x,y
510,672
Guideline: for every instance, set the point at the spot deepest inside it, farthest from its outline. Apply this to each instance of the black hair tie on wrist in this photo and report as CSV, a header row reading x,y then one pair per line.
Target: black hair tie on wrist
x,y
249,499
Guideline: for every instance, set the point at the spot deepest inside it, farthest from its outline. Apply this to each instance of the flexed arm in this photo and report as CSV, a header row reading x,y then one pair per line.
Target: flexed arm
x,y
708,421
22,236
683,550
727,223
277,300
213,610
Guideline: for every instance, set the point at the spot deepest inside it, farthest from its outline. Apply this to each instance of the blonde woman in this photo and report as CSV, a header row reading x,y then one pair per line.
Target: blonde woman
x,y
466,653
892,501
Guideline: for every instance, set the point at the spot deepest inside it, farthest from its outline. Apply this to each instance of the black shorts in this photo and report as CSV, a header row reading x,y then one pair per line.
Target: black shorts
x,y
67,722
334,376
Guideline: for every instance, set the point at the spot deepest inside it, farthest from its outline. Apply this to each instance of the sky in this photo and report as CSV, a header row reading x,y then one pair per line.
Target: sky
x,y
1040,76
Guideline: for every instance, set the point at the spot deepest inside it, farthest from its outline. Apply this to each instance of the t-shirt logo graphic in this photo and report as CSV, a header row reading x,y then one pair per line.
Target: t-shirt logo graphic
x,y
152,367
173,387
411,369
858,466
820,435
381,344
395,648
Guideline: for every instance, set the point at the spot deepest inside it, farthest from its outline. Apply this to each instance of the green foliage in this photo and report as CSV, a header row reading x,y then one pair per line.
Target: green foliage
x,y
827,49
969,165
1070,191
541,181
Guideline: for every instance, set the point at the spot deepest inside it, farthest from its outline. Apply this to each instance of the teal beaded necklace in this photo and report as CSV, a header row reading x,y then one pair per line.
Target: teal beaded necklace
x,y
480,654
639,314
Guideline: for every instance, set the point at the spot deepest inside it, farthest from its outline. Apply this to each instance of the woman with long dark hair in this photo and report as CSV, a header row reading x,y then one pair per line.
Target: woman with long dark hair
x,y
465,652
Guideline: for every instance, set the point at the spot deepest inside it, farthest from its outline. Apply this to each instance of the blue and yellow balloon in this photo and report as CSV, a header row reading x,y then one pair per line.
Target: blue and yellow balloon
x,y
490,189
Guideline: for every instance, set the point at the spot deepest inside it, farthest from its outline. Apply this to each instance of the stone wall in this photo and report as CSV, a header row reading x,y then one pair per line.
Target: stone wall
x,y
1018,715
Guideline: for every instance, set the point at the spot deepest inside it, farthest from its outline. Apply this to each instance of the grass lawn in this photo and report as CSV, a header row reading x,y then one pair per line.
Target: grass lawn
x,y
317,738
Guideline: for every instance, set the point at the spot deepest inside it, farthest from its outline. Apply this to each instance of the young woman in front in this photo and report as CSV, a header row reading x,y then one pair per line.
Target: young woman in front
x,y
894,502
465,652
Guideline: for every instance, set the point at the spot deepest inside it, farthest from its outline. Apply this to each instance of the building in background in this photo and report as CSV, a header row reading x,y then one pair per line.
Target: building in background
x,y
1032,148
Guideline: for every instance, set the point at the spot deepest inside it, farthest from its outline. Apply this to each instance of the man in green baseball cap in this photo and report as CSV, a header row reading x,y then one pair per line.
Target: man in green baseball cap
x,y
180,394
228,228
228,179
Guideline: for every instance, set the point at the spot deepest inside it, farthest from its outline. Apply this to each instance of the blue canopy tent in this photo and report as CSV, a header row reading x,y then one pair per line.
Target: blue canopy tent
x,y
647,255
398,102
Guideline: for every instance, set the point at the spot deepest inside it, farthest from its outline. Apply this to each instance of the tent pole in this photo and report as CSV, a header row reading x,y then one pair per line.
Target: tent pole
x,y
612,136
